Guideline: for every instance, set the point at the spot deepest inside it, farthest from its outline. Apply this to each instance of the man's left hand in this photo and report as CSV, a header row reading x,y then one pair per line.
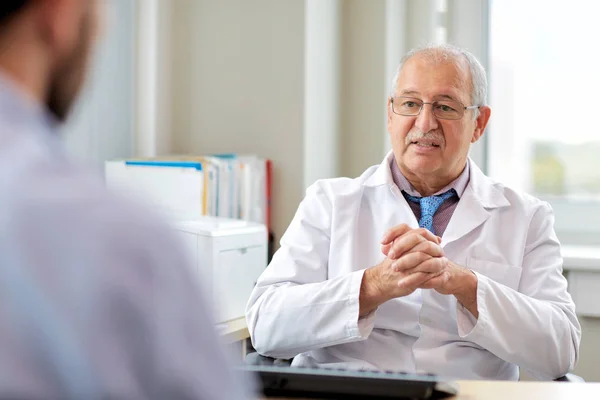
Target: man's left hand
x,y
459,282
453,280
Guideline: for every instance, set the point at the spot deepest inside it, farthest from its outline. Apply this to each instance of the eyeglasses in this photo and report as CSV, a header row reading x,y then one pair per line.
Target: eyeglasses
x,y
442,109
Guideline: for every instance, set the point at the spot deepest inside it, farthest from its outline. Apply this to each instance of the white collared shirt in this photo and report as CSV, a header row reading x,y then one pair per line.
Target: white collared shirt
x,y
96,297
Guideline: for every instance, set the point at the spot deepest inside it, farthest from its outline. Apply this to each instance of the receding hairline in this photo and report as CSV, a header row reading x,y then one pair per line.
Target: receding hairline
x,y
458,61
450,53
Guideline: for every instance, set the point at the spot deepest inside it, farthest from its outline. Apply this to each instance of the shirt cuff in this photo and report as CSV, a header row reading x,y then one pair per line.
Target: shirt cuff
x,y
470,327
358,326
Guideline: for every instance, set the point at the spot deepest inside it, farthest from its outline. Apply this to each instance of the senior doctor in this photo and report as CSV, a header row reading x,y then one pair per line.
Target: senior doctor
x,y
423,263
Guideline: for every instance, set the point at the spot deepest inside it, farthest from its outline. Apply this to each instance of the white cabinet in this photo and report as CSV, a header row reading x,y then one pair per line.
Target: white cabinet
x,y
229,256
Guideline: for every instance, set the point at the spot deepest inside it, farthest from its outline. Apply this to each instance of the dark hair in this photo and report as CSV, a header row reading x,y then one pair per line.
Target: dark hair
x,y
8,8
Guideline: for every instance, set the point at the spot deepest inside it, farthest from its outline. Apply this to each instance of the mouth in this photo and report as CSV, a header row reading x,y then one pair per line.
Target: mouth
x,y
426,143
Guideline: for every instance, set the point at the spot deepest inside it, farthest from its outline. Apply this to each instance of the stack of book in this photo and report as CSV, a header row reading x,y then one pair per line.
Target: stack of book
x,y
187,187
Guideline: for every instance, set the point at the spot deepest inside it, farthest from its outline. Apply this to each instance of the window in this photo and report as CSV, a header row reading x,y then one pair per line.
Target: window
x,y
544,137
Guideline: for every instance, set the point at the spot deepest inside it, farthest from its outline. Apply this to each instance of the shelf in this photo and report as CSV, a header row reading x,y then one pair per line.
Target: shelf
x,y
581,258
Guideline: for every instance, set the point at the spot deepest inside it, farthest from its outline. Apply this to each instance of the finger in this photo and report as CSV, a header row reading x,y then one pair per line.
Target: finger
x,y
395,232
431,276
436,282
421,231
403,229
413,281
435,266
407,242
433,249
426,247
409,261
386,248
404,244
427,234
432,265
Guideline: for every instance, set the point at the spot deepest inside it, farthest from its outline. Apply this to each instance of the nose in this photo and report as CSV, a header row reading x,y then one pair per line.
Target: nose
x,y
426,121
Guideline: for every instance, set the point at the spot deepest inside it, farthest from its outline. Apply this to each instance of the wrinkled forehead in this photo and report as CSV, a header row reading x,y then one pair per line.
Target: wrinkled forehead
x,y
435,77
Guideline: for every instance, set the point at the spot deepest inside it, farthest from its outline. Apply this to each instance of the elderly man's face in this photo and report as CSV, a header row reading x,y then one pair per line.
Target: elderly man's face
x,y
425,145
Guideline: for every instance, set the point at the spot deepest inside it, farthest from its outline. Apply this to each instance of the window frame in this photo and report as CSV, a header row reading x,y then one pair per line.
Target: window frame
x,y
469,25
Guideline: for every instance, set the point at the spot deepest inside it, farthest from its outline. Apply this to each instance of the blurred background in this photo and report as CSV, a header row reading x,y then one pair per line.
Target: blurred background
x,y
304,83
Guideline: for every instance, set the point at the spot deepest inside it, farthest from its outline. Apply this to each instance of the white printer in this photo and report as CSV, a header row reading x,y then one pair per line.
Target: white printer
x,y
229,256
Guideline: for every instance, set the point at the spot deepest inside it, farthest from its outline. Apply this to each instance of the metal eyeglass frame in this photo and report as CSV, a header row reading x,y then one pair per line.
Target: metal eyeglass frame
x,y
432,103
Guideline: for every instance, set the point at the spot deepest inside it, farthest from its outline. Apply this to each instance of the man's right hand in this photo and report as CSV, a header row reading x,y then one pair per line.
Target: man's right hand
x,y
413,257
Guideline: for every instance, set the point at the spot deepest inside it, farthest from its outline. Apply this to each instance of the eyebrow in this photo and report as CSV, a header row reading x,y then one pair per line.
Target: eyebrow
x,y
438,96
447,96
410,92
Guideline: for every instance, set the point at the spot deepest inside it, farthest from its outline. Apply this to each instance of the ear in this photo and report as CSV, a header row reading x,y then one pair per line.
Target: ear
x,y
389,114
481,122
60,21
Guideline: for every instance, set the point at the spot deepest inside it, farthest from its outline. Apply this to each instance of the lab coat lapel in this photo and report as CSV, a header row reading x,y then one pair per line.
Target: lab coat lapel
x,y
390,207
475,206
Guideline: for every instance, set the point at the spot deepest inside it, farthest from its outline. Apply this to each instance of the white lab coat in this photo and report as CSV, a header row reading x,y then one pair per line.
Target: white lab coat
x,y
305,304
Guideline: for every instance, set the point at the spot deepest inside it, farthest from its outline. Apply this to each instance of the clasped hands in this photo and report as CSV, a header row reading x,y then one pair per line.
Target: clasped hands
x,y
415,260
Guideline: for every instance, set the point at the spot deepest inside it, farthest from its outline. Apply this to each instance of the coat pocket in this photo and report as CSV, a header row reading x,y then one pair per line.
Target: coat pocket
x,y
505,274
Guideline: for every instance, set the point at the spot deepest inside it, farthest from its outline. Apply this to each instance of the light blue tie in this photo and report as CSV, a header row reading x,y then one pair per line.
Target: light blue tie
x,y
429,206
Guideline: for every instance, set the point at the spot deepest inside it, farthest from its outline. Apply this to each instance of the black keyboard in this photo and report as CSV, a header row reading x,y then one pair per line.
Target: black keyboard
x,y
325,383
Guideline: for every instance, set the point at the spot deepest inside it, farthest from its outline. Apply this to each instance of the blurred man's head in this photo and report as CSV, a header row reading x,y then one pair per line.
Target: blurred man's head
x,y
45,46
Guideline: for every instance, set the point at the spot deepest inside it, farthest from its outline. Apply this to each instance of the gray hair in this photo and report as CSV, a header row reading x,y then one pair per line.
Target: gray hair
x,y
447,52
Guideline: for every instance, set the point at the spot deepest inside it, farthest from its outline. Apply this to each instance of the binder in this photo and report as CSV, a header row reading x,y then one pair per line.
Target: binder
x,y
188,186
173,188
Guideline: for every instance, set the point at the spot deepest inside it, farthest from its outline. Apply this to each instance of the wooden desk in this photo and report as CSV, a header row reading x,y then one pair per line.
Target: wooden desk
x,y
234,330
492,390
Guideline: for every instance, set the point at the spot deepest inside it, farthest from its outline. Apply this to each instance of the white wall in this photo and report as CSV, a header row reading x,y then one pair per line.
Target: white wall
x,y
237,78
305,88
153,78
301,82
362,94
321,89
102,123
